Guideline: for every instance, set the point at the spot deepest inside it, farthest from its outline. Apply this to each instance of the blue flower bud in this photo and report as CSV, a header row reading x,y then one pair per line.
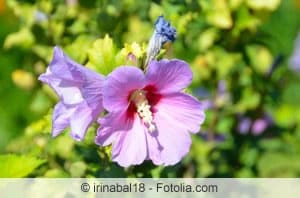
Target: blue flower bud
x,y
163,32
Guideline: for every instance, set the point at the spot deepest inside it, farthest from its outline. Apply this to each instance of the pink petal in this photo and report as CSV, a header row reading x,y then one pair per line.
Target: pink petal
x,y
174,141
118,86
169,76
109,127
176,115
184,111
130,147
127,136
154,148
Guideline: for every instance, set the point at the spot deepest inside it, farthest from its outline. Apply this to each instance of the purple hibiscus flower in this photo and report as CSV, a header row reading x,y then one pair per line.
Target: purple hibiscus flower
x,y
80,93
149,116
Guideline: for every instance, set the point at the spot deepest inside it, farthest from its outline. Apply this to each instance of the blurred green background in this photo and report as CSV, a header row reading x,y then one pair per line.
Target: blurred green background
x,y
239,51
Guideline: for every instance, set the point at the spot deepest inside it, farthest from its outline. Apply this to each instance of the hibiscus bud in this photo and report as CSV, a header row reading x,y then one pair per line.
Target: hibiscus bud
x,y
163,32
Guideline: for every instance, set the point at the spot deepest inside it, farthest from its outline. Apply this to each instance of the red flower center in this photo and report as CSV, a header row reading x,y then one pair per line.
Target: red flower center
x,y
148,95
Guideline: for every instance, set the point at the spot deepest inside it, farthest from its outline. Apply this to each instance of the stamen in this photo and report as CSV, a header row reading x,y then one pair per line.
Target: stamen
x,y
146,115
143,108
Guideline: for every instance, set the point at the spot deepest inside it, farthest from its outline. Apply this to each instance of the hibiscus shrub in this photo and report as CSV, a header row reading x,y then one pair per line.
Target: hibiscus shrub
x,y
206,88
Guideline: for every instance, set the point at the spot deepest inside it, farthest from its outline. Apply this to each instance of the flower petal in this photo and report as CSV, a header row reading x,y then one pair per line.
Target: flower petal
x,y
176,115
60,118
154,148
80,120
169,76
109,127
69,79
184,111
126,135
119,84
130,146
80,92
173,140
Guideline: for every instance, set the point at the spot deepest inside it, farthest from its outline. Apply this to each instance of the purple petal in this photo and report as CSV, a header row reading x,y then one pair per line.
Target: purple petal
x,y
60,118
184,110
69,79
130,147
118,86
169,76
80,92
80,120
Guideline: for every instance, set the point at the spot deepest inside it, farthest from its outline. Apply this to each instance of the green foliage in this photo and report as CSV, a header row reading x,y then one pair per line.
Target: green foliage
x,y
18,166
230,41
103,56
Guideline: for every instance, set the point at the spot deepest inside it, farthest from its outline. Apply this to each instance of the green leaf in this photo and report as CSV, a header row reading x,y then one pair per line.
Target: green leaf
x,y
260,58
77,169
18,166
103,56
250,100
218,14
285,115
278,164
56,173
207,38
266,5
23,38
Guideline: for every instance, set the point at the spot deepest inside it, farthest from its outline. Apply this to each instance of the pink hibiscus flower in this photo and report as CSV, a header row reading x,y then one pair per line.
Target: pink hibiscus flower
x,y
149,116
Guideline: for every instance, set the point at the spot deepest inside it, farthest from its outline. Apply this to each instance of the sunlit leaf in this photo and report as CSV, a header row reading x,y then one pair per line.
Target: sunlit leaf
x,y
18,166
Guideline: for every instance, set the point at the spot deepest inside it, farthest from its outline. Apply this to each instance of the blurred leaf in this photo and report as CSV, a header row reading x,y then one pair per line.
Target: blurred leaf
x,y
260,58
207,38
245,21
23,38
218,14
103,56
77,169
249,156
62,146
18,166
285,115
83,42
291,94
56,173
40,103
250,99
224,124
277,164
200,151
267,4
135,27
271,144
23,79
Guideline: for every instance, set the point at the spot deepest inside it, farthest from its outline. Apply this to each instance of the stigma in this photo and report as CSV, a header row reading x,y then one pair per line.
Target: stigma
x,y
139,99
